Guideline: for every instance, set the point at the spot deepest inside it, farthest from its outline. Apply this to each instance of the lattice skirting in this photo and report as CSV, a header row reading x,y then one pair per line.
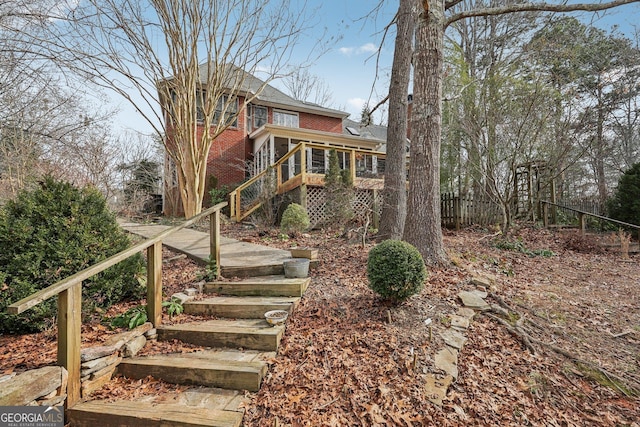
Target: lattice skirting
x,y
363,204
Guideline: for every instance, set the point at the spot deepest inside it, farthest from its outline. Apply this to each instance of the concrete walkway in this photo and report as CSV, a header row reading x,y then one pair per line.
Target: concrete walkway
x,y
237,258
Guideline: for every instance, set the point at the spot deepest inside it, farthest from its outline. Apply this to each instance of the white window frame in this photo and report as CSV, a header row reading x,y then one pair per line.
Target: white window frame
x,y
290,118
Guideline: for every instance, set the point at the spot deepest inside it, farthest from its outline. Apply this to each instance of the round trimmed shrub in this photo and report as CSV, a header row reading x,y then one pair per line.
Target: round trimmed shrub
x,y
294,219
50,233
396,270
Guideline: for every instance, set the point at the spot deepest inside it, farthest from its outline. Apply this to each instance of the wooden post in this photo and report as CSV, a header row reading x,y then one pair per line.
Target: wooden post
x,y
545,215
554,199
353,166
582,219
303,163
154,283
69,326
214,240
232,204
456,212
279,177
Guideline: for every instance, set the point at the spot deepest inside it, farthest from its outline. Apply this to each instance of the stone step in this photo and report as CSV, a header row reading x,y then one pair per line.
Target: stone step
x,y
209,368
274,286
253,334
240,307
191,408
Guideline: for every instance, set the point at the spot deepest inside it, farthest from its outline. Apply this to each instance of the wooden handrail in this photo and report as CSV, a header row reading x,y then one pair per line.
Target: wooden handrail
x,y
583,213
69,291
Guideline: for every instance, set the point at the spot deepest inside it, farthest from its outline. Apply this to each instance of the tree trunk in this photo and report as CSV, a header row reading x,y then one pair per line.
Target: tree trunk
x,y
394,196
423,225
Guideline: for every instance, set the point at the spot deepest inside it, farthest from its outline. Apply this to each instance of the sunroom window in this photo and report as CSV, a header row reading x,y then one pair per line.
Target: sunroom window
x,y
286,118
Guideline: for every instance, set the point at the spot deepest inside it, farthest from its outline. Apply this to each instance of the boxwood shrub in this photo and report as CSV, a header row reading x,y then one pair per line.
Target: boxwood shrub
x,y
50,233
396,270
294,219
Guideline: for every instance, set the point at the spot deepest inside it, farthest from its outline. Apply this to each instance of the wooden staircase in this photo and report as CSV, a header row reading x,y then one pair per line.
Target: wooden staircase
x,y
240,342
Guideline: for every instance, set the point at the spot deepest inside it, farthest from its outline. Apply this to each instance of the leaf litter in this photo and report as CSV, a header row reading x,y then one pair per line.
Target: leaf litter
x,y
341,363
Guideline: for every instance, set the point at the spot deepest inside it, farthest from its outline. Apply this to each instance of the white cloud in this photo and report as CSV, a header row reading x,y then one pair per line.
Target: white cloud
x,y
365,48
354,106
347,51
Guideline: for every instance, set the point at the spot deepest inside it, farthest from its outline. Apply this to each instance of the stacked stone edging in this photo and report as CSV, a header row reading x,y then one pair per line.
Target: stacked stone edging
x,y
446,360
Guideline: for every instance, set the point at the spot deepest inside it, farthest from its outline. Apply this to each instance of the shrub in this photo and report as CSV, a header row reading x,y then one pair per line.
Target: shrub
x,y
625,203
294,219
396,270
219,195
50,233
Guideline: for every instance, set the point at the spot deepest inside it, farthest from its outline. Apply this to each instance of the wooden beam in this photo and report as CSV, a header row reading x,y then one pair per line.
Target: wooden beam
x,y
69,326
154,283
214,240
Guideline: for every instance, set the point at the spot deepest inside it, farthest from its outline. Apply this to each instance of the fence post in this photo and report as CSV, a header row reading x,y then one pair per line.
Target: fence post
x,y
582,220
69,326
154,283
214,239
456,211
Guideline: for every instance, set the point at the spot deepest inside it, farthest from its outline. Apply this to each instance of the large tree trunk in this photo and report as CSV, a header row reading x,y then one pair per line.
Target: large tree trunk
x,y
423,225
394,208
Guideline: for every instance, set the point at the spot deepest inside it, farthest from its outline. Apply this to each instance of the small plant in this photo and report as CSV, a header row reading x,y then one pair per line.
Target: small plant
x,y
294,219
519,246
131,318
210,272
174,307
396,270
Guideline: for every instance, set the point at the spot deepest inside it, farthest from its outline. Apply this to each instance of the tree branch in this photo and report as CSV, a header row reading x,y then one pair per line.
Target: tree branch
x,y
533,7
451,3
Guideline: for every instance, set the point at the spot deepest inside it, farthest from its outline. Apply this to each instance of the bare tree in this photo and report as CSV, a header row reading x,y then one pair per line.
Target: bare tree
x,y
304,86
195,58
395,193
423,227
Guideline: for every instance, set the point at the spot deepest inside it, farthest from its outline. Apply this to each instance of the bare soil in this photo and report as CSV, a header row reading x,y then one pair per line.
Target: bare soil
x,y
342,363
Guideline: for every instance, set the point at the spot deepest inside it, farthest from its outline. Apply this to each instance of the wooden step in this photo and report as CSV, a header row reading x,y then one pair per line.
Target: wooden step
x,y
149,414
252,270
253,334
273,286
206,371
240,307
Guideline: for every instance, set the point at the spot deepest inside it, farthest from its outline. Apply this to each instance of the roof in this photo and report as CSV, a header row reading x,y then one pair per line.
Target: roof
x,y
269,95
319,137
351,127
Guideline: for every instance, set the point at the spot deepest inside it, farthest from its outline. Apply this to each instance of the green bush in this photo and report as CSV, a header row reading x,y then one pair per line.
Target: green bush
x,y
396,270
625,203
294,219
50,233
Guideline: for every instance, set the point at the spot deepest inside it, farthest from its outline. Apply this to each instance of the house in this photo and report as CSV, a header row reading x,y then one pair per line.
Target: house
x,y
277,132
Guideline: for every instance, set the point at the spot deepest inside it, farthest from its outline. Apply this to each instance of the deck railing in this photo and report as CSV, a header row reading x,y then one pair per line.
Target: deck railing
x,y
69,292
297,168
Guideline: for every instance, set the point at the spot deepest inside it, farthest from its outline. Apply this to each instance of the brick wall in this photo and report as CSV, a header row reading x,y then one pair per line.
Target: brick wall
x,y
327,124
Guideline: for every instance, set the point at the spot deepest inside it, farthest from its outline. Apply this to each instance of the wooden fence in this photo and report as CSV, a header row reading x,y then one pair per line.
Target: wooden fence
x,y
459,211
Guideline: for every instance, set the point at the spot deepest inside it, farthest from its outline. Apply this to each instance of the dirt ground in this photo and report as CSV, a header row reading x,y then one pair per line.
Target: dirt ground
x,y
342,363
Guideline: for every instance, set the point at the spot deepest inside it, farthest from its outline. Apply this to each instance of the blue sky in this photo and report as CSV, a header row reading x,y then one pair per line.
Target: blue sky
x,y
349,67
